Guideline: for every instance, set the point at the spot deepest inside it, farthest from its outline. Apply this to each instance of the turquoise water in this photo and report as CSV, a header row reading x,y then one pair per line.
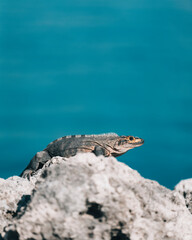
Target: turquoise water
x,y
83,67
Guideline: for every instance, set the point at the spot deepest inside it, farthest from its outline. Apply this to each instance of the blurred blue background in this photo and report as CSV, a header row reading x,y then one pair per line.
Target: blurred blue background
x,y
83,67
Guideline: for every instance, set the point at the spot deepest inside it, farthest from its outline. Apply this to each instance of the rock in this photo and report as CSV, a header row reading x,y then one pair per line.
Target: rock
x,y
13,193
184,187
93,198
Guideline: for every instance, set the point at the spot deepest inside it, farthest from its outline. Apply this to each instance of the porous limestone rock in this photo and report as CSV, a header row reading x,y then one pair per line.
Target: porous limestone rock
x,y
184,187
13,192
96,198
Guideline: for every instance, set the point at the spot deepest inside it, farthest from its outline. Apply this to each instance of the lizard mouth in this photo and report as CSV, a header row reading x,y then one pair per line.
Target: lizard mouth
x,y
138,143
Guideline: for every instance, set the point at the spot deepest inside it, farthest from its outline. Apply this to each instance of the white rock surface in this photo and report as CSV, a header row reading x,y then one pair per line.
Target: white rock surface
x,y
12,191
94,198
184,187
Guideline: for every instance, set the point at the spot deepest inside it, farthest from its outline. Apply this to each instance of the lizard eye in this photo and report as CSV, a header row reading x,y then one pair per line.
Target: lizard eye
x,y
131,138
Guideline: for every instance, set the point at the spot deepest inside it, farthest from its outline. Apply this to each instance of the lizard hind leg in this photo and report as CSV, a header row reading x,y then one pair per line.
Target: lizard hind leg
x,y
37,162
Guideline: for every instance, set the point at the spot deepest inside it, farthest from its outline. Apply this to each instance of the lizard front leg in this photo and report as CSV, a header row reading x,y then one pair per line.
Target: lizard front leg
x,y
98,150
36,163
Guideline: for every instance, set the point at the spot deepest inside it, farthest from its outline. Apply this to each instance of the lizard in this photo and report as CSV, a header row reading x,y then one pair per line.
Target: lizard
x,y
108,144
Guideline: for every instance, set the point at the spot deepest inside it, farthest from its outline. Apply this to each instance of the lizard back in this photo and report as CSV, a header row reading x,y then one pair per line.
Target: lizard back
x,y
69,145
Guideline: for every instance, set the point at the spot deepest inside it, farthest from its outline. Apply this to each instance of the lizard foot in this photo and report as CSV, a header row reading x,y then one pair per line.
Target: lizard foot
x,y
27,174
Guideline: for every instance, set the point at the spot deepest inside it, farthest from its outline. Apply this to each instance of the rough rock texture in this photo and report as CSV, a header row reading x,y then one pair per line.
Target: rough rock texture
x,y
184,187
87,197
13,192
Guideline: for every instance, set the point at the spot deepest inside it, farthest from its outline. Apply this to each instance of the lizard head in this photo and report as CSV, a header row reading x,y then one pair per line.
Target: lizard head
x,y
125,143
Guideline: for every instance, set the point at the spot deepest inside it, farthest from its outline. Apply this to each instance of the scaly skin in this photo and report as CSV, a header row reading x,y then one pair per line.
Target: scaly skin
x,y
103,144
